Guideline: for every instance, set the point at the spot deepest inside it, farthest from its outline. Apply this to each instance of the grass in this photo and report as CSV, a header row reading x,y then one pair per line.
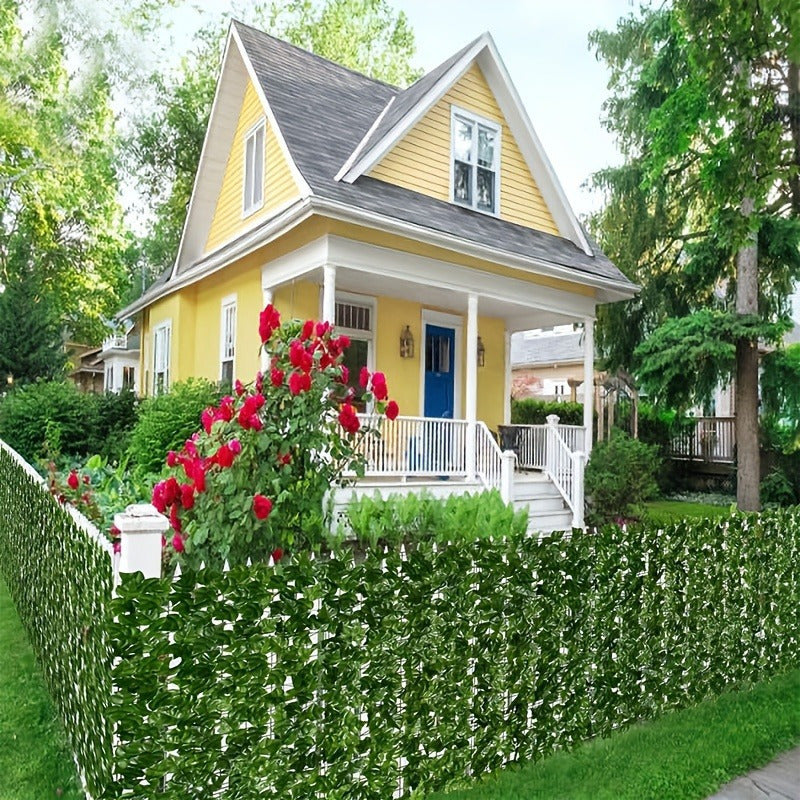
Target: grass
x,y
683,755
662,512
35,763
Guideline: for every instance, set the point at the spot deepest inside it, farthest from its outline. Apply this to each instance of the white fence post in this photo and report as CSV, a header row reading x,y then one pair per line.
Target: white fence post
x,y
578,466
550,445
141,527
508,462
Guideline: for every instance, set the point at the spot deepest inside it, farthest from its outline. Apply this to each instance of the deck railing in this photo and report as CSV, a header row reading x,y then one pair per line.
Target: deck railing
x,y
710,439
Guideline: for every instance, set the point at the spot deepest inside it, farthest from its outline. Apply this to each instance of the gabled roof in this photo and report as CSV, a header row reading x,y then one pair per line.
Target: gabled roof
x,y
321,112
553,348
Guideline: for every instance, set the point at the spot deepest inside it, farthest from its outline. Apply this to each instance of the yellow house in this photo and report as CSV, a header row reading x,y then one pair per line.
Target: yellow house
x,y
426,223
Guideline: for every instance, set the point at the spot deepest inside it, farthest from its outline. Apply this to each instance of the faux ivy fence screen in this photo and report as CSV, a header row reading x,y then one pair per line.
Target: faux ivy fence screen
x,y
375,677
392,673
59,572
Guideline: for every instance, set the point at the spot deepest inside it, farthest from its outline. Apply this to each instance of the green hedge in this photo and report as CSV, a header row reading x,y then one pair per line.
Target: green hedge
x,y
535,412
355,675
59,574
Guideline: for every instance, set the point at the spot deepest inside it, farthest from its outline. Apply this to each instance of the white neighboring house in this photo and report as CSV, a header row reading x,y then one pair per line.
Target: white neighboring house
x,y
120,359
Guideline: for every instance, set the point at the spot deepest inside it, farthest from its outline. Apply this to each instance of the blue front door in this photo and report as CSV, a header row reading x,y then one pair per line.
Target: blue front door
x,y
440,352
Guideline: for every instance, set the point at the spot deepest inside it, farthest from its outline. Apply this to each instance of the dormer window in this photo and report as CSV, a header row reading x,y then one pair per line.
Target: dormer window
x,y
254,169
476,161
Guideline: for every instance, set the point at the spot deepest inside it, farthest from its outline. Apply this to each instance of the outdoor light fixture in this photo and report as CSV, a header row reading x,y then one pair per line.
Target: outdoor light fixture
x,y
9,379
406,343
481,353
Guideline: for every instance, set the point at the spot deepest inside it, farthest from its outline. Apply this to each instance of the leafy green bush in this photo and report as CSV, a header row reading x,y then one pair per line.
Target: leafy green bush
x,y
777,489
621,473
52,410
418,517
116,416
165,422
535,412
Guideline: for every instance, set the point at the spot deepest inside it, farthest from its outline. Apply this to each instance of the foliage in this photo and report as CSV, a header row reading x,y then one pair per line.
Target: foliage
x,y
116,416
31,347
60,221
259,470
621,474
682,755
777,489
535,412
703,345
48,410
338,676
366,35
166,421
28,722
58,572
667,512
780,393
658,425
415,517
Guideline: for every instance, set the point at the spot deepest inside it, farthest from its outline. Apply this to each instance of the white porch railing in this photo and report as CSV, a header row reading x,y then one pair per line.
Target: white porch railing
x,y
418,447
708,439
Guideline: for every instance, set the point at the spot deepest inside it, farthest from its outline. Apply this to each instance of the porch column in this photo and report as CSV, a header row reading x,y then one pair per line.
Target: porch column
x,y
266,299
588,381
507,382
472,383
329,293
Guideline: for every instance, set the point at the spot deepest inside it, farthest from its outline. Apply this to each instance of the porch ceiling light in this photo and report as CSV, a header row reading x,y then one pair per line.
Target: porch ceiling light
x,y
481,353
406,343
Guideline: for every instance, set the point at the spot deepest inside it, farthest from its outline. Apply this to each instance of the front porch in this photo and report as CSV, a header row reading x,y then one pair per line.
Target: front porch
x,y
543,473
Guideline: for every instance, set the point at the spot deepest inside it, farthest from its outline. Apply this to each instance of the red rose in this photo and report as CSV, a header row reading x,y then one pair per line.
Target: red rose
x,y
238,387
348,419
208,419
285,459
262,506
308,329
276,377
174,519
299,382
277,554
199,477
114,531
379,386
259,381
363,377
187,495
158,497
224,456
177,543
345,376
236,447
172,459
322,328
86,479
72,480
392,410
268,321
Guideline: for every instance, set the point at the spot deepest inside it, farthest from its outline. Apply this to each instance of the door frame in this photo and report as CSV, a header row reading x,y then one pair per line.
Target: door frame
x,y
443,320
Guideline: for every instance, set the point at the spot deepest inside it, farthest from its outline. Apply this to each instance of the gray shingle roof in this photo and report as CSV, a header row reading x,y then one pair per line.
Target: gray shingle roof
x,y
324,110
559,348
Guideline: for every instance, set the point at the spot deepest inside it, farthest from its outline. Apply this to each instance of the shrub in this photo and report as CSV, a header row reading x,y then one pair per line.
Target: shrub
x,y
621,473
535,412
165,422
116,416
418,517
777,489
52,410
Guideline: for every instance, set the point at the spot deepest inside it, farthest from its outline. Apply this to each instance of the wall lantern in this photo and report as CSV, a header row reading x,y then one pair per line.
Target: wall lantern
x,y
481,353
10,379
406,343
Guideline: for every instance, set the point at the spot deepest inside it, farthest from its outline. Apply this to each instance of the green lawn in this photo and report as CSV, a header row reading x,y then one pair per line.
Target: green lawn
x,y
662,512
35,763
684,755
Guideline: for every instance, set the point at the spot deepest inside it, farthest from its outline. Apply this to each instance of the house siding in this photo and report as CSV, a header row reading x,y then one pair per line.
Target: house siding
x,y
279,183
421,160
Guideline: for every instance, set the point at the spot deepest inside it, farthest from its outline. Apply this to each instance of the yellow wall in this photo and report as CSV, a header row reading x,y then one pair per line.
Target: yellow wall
x,y
421,160
492,376
179,308
402,374
298,300
279,184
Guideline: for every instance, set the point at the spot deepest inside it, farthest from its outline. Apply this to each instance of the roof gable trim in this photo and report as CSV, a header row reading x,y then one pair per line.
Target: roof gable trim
x,y
354,155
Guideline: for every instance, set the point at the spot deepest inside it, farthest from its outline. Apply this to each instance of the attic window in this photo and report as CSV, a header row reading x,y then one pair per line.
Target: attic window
x,y
476,161
254,169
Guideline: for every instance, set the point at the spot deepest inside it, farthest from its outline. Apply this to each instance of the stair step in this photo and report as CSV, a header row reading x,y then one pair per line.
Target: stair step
x,y
541,505
549,522
534,491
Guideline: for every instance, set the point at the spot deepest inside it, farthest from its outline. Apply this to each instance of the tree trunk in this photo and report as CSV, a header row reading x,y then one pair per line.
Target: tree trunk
x,y
748,471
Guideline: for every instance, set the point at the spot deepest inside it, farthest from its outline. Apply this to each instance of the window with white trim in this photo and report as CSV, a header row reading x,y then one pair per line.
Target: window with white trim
x,y
254,169
162,338
476,161
227,341
355,317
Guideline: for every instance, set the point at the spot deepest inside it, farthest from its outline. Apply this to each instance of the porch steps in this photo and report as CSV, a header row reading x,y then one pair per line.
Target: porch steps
x,y
547,511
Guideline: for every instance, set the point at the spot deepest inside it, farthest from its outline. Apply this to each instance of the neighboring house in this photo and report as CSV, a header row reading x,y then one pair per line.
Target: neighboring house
x,y
548,364
428,214
119,358
82,368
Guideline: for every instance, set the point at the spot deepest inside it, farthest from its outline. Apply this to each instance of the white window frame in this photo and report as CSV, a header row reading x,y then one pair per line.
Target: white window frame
x,y
228,303
355,333
252,203
162,331
476,119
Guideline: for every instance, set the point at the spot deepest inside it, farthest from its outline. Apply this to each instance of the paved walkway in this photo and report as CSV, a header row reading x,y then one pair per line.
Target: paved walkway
x,y
778,780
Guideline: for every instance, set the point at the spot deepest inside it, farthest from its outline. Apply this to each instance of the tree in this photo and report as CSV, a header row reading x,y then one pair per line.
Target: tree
x,y
60,223
704,213
164,151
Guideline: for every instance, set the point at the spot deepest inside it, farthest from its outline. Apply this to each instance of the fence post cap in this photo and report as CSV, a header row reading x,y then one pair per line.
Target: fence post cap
x,y
552,419
141,518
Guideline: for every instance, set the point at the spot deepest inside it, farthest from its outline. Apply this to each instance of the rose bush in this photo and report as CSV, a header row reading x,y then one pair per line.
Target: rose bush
x,y
250,484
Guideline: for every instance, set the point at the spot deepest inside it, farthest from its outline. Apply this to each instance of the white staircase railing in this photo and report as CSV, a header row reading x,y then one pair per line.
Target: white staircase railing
x,y
565,467
488,457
